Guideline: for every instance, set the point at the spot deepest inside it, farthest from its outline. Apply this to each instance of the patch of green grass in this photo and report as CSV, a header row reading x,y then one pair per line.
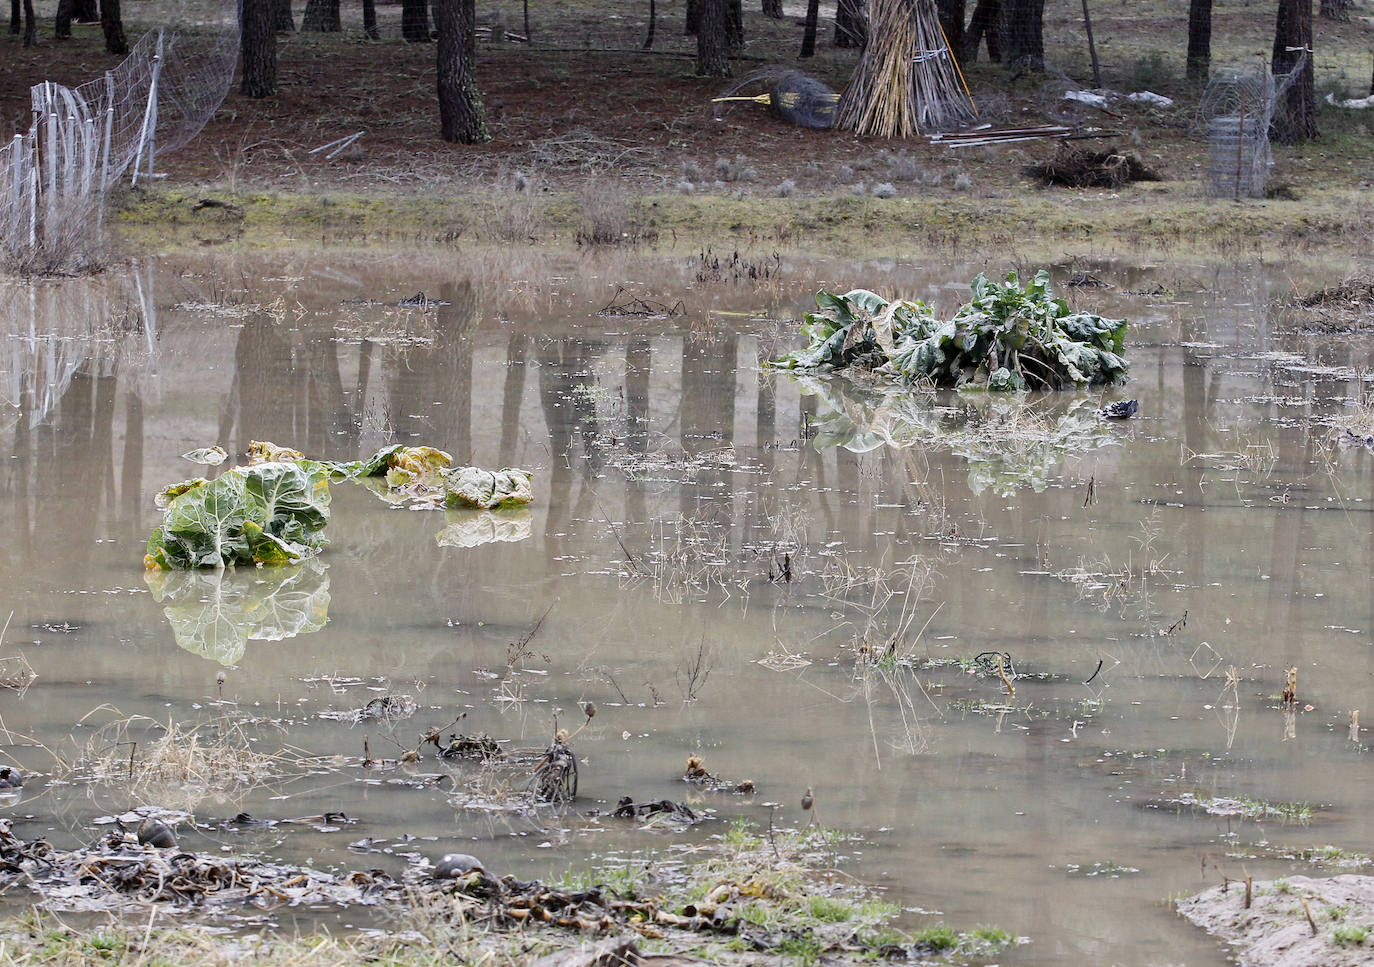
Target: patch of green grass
x,y
993,935
938,937
1350,933
1283,886
829,909
802,950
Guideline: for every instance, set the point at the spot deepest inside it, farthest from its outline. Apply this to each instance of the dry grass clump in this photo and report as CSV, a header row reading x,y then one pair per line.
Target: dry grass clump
x,y
177,766
15,670
1347,307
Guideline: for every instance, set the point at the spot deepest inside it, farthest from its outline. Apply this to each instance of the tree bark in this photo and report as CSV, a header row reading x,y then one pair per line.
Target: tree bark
x,y
813,15
1295,111
691,22
713,39
415,21
984,25
461,116
952,23
772,9
735,12
258,48
16,16
1023,36
1199,40
112,25
370,20
62,24
851,29
321,16
86,11
653,23
30,25
282,20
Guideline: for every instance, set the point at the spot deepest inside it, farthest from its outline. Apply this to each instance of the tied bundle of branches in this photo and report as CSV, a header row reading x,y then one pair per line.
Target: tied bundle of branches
x,y
1006,338
907,78
1086,168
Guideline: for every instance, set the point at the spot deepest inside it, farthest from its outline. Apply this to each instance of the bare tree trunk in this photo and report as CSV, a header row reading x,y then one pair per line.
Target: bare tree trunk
x,y
370,20
321,16
851,29
952,23
713,39
30,25
984,25
86,11
653,23
16,16
772,9
461,116
415,21
1295,112
735,12
258,49
1023,37
62,24
813,15
112,25
1199,40
282,21
692,21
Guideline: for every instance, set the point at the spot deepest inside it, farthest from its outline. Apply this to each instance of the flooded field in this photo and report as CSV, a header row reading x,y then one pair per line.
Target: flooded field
x,y
1033,659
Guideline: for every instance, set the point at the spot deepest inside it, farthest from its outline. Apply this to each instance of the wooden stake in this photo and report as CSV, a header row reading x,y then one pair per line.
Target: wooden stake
x,y
1310,921
1249,888
1092,47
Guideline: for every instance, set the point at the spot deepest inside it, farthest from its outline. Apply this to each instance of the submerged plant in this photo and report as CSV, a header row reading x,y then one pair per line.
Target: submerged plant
x,y
1007,337
270,513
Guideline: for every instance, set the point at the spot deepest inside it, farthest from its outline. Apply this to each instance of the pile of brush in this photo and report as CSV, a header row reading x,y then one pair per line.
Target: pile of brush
x,y
1085,168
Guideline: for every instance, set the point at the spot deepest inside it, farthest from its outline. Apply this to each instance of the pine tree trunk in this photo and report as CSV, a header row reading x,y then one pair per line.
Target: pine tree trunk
x,y
112,25
282,21
1199,40
370,20
461,116
952,23
772,9
735,10
851,30
86,11
653,23
16,16
30,25
415,21
984,25
1023,38
321,16
1295,111
62,24
691,23
813,15
713,39
258,49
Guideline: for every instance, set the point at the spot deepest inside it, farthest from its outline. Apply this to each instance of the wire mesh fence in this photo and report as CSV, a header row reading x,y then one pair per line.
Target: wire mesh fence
x,y
84,139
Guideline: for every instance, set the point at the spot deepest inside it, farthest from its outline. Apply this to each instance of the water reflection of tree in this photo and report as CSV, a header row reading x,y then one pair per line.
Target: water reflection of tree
x,y
441,373
565,396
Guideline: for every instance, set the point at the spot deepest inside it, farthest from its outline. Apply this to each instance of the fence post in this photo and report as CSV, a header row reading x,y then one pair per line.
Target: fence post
x,y
146,136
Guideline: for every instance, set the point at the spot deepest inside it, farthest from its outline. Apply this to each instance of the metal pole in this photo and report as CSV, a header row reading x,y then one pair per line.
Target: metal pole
x,y
149,112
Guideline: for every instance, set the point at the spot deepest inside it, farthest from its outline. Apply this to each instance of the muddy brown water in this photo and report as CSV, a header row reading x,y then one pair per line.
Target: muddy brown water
x,y
1058,813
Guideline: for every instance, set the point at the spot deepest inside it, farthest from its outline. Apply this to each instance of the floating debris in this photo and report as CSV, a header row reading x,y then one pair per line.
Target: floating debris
x,y
207,456
1121,409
